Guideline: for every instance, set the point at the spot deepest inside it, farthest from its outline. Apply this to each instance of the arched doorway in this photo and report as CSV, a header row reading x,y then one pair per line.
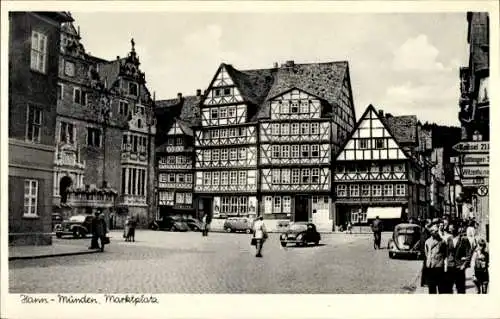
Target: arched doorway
x,y
64,184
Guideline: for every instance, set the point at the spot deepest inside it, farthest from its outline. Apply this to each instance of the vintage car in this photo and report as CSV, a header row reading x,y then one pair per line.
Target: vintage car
x,y
56,220
78,226
193,224
238,224
406,241
170,223
301,234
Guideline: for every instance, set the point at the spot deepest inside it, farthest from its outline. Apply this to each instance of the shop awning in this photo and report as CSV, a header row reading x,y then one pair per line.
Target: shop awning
x,y
384,212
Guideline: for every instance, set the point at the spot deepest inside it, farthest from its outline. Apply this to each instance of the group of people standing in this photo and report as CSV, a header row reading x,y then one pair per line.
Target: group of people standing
x,y
451,246
99,231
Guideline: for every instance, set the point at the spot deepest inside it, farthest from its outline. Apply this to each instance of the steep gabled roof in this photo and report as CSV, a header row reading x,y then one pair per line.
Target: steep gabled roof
x,y
186,109
404,128
253,85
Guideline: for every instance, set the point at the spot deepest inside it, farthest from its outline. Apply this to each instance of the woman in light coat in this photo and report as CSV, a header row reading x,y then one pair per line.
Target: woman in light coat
x,y
260,235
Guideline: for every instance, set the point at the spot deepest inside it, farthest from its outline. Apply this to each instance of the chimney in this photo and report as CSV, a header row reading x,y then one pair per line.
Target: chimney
x,y
198,92
275,65
381,113
290,63
179,96
388,115
118,57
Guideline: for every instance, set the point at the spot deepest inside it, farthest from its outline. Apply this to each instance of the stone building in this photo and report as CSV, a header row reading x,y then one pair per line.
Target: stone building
x,y
175,154
33,77
104,133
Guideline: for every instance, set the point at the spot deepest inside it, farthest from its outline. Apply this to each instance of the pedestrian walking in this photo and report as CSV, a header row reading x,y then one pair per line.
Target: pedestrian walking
x,y
349,228
99,230
426,226
126,228
458,260
205,225
480,264
259,235
436,262
377,228
131,229
471,234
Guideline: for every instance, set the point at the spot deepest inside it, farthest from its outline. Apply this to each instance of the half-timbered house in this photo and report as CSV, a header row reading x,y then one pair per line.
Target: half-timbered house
x,y
175,155
308,113
378,171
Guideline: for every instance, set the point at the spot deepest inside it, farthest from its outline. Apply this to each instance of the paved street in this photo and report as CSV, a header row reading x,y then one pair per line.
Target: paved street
x,y
164,262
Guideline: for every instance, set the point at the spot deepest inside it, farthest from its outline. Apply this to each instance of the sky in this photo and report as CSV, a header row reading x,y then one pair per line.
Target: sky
x,y
402,63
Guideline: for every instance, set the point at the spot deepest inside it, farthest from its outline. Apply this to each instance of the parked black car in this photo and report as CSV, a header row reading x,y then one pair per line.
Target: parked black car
x,y
78,226
170,223
301,234
194,224
56,220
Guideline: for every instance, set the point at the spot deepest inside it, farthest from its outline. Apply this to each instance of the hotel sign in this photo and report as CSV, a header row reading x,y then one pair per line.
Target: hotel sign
x,y
472,147
475,171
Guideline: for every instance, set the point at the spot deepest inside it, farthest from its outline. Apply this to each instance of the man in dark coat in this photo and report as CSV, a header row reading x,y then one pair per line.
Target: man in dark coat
x,y
377,228
99,229
459,257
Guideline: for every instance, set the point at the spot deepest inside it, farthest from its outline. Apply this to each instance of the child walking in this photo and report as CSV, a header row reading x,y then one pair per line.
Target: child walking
x,y
480,263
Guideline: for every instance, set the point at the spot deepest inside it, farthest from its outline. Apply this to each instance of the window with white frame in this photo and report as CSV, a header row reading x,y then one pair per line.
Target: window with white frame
x,y
242,205
365,190
38,51
341,190
223,133
215,155
224,178
315,175
179,198
225,203
234,205
223,155
207,155
379,143
231,111
295,151
388,190
304,107
363,143
285,151
180,178
30,198
285,129
304,129
314,150
314,128
287,204
232,132
276,151
214,134
171,160
79,97
189,178
33,123
206,178
285,108
188,198
285,176
295,129
295,176
295,107
276,176
354,190
222,112
163,178
275,129
233,154
243,178
123,108
233,178
66,133
376,190
277,204
305,150
305,175
242,153
400,190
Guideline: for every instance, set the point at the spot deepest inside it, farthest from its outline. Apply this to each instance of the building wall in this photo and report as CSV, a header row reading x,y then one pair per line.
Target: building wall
x,y
28,159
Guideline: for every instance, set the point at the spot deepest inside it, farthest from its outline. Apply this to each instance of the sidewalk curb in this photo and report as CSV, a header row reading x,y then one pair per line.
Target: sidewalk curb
x,y
55,255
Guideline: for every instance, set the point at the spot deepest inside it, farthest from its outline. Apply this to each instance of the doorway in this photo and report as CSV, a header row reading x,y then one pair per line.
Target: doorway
x,y
301,208
64,184
207,208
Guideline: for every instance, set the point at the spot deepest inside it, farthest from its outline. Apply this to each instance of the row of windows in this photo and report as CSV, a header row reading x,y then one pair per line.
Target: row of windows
x,y
295,151
134,143
223,92
79,96
134,181
367,143
296,107
222,112
278,204
374,168
124,106
356,190
284,129
295,176
176,141
180,198
176,177
225,178
224,154
175,160
225,133
233,205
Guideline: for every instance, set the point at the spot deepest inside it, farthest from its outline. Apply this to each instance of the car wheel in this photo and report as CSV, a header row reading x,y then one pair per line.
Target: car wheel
x,y
77,233
248,231
172,228
228,229
283,244
316,242
195,228
391,255
58,235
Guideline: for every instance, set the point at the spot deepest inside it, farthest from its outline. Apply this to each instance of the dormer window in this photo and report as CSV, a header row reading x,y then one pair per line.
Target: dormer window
x,y
133,89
